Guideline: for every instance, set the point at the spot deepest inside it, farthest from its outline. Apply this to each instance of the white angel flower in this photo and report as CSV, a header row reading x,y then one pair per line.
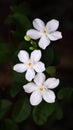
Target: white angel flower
x,y
31,65
40,89
46,33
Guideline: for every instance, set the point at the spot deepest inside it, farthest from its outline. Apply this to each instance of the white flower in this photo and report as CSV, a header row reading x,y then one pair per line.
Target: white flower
x,y
44,32
40,89
30,65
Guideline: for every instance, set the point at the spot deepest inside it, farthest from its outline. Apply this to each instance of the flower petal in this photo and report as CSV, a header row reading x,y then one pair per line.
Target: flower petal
x,y
30,74
35,98
39,67
51,83
44,42
49,96
34,34
39,79
36,55
55,36
20,68
30,87
38,24
23,56
52,25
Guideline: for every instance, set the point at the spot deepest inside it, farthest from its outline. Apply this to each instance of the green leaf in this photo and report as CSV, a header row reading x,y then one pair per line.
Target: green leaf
x,y
48,56
58,113
25,46
65,94
42,112
15,89
5,52
2,127
51,70
18,35
22,8
5,105
22,21
10,125
22,110
19,78
8,20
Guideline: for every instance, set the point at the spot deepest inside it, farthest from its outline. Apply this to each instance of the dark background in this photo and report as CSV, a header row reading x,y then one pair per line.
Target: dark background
x,y
61,10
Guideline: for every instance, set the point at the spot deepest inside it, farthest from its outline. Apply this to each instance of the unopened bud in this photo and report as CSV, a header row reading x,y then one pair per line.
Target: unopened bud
x,y
31,48
27,38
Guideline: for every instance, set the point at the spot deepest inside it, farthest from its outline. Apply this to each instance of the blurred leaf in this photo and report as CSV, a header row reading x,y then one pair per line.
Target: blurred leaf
x,y
22,21
2,127
58,113
15,89
65,94
22,8
5,52
15,56
22,24
10,125
42,112
48,56
51,70
18,35
8,20
24,46
22,110
5,105
19,77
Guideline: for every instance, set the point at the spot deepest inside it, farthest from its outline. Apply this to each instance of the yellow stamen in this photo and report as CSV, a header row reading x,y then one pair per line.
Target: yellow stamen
x,y
29,64
44,31
41,89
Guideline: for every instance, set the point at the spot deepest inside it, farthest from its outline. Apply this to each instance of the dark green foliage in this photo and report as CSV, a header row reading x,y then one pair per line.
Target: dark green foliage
x,y
48,56
22,8
65,94
5,52
18,35
21,21
42,112
19,77
5,105
51,70
21,110
58,113
15,89
10,125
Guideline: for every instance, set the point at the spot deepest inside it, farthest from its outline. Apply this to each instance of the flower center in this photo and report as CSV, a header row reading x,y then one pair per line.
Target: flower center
x,y
41,89
29,64
44,31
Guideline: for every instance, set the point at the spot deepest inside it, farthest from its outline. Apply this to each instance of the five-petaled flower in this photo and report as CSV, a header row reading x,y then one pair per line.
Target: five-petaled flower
x,y
46,33
40,89
30,64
